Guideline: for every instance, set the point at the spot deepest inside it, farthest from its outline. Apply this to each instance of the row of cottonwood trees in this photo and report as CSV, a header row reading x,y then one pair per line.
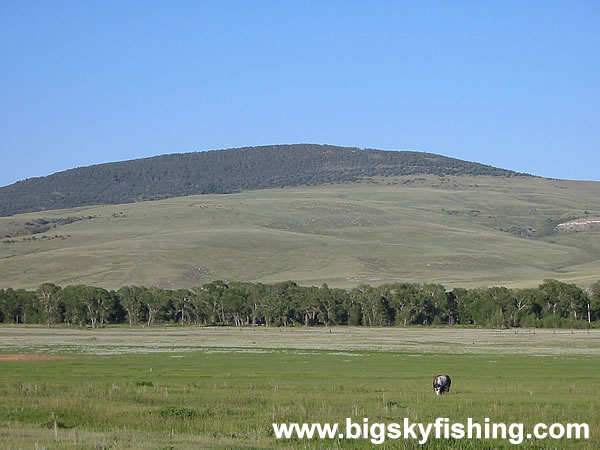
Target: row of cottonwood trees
x,y
552,304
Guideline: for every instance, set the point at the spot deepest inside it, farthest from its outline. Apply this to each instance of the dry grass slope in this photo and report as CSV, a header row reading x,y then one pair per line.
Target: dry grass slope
x,y
458,231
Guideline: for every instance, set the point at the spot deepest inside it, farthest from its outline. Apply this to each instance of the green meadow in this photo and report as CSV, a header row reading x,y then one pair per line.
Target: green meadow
x,y
193,387
458,231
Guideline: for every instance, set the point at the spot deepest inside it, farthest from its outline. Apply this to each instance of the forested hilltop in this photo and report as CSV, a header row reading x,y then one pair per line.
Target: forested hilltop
x,y
224,171
552,304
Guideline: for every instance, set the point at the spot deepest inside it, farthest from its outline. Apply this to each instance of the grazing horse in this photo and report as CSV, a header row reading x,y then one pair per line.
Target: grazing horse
x,y
441,384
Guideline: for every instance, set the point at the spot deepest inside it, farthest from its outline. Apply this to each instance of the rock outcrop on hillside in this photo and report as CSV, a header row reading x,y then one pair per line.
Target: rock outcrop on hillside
x,y
579,224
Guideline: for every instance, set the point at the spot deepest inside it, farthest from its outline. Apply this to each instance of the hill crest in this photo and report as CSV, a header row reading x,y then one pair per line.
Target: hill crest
x,y
224,171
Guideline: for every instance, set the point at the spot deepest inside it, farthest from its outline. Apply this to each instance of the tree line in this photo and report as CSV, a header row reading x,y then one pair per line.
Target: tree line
x,y
552,304
225,171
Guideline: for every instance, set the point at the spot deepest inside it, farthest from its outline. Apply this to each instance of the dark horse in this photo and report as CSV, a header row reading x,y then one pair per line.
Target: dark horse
x,y
441,384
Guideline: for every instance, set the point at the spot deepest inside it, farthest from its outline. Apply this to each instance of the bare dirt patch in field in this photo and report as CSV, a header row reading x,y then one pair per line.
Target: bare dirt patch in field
x,y
31,357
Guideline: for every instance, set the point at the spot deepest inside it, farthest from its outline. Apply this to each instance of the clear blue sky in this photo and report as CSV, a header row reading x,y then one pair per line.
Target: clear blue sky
x,y
514,84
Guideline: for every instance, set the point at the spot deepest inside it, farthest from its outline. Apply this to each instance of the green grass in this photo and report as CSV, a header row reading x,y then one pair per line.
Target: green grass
x,y
218,393
453,231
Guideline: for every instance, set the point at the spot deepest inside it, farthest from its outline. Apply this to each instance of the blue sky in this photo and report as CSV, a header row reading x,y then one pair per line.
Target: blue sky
x,y
513,84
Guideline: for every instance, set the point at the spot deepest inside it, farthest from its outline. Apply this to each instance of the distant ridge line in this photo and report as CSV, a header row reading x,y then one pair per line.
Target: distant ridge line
x,y
224,171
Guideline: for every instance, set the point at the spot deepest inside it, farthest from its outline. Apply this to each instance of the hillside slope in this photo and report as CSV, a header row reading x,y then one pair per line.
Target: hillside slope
x,y
223,171
456,230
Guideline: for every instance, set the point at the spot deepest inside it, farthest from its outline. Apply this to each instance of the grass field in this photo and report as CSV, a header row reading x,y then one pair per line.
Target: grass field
x,y
453,231
223,387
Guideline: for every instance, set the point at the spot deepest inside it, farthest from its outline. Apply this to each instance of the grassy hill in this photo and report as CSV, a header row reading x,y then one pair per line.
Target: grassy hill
x,y
455,230
223,171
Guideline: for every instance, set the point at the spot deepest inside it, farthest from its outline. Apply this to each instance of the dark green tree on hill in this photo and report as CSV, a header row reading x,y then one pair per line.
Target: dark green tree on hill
x,y
225,171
